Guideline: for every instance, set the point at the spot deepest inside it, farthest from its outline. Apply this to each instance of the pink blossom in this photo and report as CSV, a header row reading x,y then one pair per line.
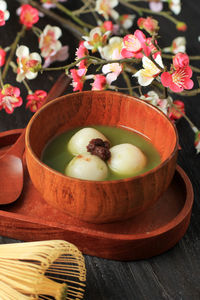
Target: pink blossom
x,y
51,48
48,40
60,55
35,100
82,50
152,47
175,114
2,19
96,39
154,99
105,8
178,80
163,105
156,6
131,47
2,57
28,63
4,13
10,98
28,15
107,26
99,83
180,60
112,70
113,49
134,44
126,21
78,77
178,45
149,24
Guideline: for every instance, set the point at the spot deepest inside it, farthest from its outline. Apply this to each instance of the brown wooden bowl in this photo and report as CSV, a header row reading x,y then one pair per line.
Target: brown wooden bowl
x,y
101,201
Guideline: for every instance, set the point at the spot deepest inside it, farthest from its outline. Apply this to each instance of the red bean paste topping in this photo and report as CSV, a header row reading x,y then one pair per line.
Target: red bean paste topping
x,y
99,148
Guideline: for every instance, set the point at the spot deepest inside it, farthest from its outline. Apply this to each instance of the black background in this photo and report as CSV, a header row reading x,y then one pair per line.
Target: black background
x,y
176,273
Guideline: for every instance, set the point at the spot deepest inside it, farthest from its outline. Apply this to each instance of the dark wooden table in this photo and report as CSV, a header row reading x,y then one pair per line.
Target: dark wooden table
x,y
175,274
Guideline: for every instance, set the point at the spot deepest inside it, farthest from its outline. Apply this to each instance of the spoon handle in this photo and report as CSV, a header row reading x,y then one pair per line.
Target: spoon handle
x,y
57,90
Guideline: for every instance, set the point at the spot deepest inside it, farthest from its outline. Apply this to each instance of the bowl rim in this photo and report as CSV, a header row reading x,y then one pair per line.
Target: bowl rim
x,y
57,173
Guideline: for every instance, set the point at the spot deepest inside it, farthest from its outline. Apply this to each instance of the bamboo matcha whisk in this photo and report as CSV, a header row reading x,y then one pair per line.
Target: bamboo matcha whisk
x,y
41,270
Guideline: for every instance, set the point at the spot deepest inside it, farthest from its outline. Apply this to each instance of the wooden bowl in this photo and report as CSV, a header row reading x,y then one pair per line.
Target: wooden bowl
x,y
101,201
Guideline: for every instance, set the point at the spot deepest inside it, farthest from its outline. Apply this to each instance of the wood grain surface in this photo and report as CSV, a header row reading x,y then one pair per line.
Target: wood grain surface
x,y
175,274
11,167
101,201
150,233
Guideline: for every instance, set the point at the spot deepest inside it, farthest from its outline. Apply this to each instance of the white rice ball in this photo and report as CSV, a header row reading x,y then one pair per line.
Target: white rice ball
x,y
126,159
87,166
79,141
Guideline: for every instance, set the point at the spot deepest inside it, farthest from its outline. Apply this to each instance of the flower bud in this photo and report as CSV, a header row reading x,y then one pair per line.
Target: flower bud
x,y
181,26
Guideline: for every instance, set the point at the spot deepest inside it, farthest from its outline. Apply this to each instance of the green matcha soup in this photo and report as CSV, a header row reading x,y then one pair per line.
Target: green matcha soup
x,y
57,156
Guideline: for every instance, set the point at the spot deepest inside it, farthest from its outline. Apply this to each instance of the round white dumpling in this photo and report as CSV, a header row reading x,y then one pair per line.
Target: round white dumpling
x,y
87,166
79,141
126,159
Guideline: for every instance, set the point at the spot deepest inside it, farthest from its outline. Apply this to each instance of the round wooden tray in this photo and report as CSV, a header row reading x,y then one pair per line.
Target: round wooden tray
x,y
152,232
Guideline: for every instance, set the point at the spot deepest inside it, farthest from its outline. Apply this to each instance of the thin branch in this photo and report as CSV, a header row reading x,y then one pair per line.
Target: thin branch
x,y
71,15
148,11
1,81
189,93
184,116
12,51
93,60
191,57
195,69
128,83
84,8
27,86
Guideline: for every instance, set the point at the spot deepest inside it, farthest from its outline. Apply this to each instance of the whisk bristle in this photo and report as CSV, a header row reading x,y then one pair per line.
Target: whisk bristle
x,y
41,270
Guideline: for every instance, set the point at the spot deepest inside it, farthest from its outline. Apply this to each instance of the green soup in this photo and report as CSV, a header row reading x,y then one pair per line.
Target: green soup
x,y
57,156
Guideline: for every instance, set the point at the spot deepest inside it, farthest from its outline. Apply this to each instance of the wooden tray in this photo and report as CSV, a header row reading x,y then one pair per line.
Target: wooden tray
x,y
150,233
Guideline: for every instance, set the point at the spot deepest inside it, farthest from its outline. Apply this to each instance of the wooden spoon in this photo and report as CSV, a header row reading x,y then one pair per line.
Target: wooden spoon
x,y
11,163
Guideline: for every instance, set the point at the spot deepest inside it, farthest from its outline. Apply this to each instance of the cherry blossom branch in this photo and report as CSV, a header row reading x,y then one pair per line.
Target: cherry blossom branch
x,y
71,15
98,61
12,51
148,11
70,65
76,30
84,12
84,9
196,57
94,60
160,87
